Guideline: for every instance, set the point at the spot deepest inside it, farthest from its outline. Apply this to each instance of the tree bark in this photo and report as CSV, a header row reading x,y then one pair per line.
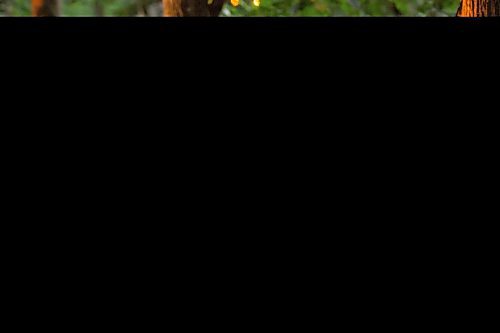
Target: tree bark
x,y
45,7
192,7
479,8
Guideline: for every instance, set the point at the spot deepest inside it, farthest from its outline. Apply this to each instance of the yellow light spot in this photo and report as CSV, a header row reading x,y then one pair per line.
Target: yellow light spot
x,y
235,3
210,2
256,3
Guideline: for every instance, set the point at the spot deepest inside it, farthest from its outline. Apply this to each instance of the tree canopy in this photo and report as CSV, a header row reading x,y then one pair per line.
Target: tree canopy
x,y
250,8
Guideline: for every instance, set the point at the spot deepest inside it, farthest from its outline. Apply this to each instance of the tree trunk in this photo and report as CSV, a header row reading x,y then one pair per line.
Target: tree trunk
x,y
45,7
216,7
192,7
479,8
98,8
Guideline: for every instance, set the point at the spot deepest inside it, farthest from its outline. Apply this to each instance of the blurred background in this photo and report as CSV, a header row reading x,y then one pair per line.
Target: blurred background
x,y
250,8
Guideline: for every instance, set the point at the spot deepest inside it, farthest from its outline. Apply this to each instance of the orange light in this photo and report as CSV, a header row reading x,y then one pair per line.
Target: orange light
x,y
235,3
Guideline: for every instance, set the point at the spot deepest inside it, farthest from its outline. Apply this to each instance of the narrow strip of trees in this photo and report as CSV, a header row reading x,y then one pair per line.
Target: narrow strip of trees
x,y
479,8
468,8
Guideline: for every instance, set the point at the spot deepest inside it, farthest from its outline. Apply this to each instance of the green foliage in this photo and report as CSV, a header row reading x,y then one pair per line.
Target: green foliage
x,y
88,7
248,8
346,8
